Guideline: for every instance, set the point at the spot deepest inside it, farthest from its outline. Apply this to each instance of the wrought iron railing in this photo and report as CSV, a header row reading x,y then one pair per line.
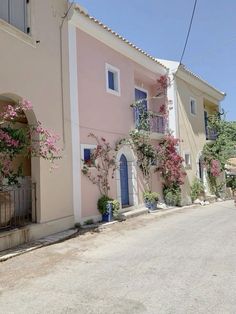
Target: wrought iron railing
x,y
17,206
158,124
211,134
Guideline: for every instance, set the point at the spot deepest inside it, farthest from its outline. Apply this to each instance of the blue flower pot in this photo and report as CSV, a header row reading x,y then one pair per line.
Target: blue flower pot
x,y
151,205
107,217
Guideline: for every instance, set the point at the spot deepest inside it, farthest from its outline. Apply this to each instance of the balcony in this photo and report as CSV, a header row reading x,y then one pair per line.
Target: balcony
x,y
211,134
157,126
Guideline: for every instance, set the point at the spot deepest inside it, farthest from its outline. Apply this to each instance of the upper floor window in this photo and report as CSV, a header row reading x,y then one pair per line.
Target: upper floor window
x,y
112,80
193,106
187,160
14,12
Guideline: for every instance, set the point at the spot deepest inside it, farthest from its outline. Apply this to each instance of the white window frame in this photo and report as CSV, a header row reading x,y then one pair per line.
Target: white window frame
x,y
188,166
195,102
142,90
116,71
83,147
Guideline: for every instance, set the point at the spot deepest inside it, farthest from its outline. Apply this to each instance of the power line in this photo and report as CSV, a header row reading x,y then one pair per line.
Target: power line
x,y
189,29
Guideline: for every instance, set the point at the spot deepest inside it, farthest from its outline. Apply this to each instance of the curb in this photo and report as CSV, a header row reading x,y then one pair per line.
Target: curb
x,y
71,233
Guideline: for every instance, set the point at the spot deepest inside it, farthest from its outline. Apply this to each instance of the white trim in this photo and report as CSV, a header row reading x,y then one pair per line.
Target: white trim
x,y
187,152
17,33
142,90
190,107
132,175
86,146
116,71
75,130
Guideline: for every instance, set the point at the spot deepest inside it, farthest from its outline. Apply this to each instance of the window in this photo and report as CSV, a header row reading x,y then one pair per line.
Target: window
x,y
187,160
112,80
14,12
193,106
86,154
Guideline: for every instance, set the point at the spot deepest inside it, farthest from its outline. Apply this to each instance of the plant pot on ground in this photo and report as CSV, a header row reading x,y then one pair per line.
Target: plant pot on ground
x,y
150,199
108,208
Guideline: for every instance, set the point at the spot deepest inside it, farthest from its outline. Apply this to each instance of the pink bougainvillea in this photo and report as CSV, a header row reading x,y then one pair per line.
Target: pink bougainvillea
x,y
215,168
30,141
170,162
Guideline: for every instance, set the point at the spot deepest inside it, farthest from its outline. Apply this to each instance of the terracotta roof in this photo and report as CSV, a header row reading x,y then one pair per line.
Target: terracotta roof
x,y
108,29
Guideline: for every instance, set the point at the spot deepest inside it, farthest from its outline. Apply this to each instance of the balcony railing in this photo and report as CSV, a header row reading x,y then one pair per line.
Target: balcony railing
x,y
17,206
211,134
158,125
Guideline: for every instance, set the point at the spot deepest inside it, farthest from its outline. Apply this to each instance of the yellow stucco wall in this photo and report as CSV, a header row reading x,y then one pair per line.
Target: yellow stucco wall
x,y
31,70
192,127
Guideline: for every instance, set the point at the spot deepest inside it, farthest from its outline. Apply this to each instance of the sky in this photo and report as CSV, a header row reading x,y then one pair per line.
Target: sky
x,y
160,27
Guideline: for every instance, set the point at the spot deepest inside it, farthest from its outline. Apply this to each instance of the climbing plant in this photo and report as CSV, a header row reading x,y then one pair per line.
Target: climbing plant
x,y
217,153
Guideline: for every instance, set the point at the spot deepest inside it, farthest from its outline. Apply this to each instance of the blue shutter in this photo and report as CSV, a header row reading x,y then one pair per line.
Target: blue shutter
x,y
18,14
111,80
4,10
87,154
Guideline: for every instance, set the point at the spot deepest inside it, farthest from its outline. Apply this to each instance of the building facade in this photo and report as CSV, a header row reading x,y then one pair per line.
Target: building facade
x,y
34,66
192,101
108,74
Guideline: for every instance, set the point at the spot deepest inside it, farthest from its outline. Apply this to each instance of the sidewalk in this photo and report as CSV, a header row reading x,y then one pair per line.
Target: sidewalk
x,y
65,235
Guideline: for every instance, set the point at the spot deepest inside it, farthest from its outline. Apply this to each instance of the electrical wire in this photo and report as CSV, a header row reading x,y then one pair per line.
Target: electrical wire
x,y
189,30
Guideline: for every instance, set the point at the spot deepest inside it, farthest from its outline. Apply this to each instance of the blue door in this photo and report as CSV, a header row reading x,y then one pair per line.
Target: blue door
x,y
124,183
139,112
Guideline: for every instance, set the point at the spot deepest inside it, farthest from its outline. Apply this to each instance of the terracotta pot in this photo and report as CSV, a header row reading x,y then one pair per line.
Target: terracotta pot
x,y
6,208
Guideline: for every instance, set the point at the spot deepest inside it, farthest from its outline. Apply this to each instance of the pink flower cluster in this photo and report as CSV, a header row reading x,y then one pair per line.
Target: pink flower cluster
x,y
11,112
45,143
9,141
170,162
215,168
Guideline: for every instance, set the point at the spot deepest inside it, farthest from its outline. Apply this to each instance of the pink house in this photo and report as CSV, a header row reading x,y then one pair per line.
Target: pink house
x,y
107,74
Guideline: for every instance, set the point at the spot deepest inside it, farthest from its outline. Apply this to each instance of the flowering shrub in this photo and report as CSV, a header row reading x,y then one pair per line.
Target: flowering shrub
x,y
29,141
170,162
104,162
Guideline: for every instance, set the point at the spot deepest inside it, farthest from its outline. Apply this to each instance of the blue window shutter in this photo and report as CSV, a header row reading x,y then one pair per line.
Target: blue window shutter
x,y
4,10
87,154
18,14
111,80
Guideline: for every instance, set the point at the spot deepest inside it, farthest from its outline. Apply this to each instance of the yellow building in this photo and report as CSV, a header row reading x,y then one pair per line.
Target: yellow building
x,y
191,100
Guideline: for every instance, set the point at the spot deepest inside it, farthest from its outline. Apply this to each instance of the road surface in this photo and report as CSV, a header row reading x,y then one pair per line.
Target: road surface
x,y
181,263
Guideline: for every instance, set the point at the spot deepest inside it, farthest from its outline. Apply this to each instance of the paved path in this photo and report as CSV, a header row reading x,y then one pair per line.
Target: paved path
x,y
182,263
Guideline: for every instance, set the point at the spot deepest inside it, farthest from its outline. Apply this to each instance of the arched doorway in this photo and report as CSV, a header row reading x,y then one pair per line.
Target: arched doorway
x,y
124,181
126,177
21,192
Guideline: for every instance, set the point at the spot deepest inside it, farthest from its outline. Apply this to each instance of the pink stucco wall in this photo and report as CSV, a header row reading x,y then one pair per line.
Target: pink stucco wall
x,y
105,114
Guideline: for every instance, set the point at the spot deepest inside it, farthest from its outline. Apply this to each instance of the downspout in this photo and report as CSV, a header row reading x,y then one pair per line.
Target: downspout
x,y
61,79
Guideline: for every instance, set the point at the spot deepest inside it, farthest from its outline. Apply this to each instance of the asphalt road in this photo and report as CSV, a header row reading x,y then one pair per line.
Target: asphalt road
x,y
182,263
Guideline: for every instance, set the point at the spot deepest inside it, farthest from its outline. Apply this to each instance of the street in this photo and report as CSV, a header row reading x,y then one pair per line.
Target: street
x,y
182,263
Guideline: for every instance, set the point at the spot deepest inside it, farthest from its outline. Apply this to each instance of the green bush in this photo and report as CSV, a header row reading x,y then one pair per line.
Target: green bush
x,y
231,182
196,189
102,205
172,195
150,197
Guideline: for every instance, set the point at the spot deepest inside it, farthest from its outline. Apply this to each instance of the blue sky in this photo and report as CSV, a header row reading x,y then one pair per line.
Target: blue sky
x,y
160,27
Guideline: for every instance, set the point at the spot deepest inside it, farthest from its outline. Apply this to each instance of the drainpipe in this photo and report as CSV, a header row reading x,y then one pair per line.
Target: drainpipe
x,y
61,70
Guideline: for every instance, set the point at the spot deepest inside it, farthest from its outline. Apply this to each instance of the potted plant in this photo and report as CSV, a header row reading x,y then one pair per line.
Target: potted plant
x,y
150,199
108,208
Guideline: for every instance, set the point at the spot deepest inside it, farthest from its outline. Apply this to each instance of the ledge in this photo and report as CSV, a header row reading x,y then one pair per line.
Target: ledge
x,y
13,31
